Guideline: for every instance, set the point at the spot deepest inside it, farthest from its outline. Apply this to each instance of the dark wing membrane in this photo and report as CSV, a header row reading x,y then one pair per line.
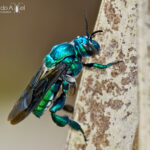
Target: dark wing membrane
x,y
36,94
26,97
46,82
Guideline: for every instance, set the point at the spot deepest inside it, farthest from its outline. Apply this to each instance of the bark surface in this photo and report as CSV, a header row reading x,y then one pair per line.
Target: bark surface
x,y
143,39
106,103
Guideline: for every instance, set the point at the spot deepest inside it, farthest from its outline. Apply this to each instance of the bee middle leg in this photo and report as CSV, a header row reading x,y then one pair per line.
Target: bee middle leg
x,y
65,86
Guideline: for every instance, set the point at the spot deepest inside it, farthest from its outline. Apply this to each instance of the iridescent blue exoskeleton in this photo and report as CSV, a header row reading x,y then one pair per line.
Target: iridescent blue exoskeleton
x,y
58,72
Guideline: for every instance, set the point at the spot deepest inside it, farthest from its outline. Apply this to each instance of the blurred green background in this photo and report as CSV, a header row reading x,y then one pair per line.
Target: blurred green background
x,y
25,38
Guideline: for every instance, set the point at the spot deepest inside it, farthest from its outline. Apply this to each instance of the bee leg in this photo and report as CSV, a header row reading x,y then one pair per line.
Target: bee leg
x,y
69,79
68,108
63,120
74,125
69,82
101,66
65,87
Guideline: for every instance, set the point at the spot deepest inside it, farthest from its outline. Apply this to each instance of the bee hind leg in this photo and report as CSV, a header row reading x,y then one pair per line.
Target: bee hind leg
x,y
63,120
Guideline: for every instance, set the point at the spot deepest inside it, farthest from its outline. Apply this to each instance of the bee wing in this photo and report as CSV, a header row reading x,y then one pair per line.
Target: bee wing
x,y
47,80
26,96
34,93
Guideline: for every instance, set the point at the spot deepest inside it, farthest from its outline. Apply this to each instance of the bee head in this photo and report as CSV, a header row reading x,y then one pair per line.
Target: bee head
x,y
85,44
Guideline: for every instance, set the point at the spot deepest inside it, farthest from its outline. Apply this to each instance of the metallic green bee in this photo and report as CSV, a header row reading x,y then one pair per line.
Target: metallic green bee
x,y
58,72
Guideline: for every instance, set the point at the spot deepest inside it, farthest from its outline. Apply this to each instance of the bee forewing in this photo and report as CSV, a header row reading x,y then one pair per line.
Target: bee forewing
x,y
26,97
35,91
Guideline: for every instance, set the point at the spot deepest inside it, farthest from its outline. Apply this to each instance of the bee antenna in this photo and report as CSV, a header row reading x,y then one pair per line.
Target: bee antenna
x,y
91,36
86,23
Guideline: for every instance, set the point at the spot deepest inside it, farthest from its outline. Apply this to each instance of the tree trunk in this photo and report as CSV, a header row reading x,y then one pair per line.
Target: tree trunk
x,y
106,103
144,73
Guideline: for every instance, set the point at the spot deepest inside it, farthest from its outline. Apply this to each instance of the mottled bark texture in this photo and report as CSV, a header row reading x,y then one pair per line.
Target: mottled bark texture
x,y
106,103
144,73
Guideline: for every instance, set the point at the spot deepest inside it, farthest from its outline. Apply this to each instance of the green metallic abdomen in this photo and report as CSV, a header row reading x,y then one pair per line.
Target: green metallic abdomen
x,y
38,111
47,99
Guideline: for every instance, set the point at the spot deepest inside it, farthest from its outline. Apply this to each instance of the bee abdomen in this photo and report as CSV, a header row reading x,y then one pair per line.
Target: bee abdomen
x,y
44,104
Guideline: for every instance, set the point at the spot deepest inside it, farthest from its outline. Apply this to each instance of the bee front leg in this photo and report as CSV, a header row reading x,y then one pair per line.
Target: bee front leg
x,y
101,66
